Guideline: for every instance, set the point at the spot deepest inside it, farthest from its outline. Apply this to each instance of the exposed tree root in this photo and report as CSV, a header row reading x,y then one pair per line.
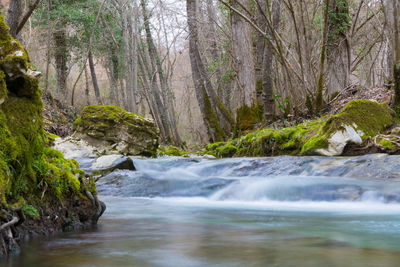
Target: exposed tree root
x,y
8,242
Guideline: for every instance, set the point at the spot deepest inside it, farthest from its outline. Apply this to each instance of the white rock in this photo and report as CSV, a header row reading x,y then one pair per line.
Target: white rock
x,y
111,162
72,148
340,139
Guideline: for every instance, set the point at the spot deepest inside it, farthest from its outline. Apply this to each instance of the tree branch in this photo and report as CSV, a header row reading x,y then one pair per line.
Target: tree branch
x,y
26,16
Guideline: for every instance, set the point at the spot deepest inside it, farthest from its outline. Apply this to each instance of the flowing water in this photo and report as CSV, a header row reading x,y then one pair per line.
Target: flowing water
x,y
284,211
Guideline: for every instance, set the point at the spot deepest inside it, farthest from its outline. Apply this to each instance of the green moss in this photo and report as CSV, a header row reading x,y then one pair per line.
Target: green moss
x,y
227,150
171,151
366,116
104,124
30,172
211,149
50,138
247,119
369,116
60,175
387,144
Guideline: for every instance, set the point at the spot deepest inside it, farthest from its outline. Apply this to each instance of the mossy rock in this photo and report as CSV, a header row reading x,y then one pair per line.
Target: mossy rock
x,y
30,172
114,130
364,117
247,120
360,119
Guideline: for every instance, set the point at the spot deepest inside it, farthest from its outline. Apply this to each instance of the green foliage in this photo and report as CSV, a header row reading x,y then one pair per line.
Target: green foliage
x,y
283,105
171,151
30,210
339,21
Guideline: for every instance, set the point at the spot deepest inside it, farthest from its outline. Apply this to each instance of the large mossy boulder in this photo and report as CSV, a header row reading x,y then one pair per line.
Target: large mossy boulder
x,y
358,122
111,130
360,119
35,180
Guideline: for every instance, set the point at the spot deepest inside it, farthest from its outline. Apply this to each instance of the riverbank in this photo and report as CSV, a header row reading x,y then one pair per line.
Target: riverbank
x,y
41,192
361,127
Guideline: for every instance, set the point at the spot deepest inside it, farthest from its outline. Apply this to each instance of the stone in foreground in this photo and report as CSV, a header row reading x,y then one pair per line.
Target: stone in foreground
x,y
112,130
109,163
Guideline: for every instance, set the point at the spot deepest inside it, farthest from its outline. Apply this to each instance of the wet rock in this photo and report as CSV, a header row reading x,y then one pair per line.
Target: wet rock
x,y
109,163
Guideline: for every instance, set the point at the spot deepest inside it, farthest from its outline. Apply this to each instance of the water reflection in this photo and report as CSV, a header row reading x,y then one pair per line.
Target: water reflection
x,y
149,232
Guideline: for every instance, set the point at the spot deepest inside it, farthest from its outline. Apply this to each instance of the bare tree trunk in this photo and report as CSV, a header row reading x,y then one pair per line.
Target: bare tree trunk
x,y
94,78
135,57
267,85
87,86
48,58
259,54
214,130
60,54
338,46
396,46
320,83
157,70
14,16
127,59
245,83
390,21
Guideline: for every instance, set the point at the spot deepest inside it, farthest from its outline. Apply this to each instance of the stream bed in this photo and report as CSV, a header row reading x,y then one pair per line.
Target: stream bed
x,y
282,211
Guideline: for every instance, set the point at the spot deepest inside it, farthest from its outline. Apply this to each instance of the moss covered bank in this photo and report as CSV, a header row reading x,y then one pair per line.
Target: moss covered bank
x,y
40,190
362,123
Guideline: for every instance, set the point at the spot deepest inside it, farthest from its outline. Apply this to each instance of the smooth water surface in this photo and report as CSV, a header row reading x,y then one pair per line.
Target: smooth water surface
x,y
239,212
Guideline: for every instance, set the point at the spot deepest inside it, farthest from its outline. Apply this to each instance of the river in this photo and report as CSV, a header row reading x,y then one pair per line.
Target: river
x,y
283,211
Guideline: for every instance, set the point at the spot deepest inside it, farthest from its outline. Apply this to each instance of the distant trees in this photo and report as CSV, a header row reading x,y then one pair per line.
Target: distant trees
x,y
193,68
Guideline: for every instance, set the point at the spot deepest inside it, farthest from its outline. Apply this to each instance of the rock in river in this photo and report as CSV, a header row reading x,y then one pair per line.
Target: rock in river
x,y
109,163
106,130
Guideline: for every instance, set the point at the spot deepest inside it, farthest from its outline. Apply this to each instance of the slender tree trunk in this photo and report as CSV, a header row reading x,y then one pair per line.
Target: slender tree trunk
x,y
214,130
94,78
135,57
259,54
320,83
267,85
157,71
396,46
60,54
127,59
87,86
48,58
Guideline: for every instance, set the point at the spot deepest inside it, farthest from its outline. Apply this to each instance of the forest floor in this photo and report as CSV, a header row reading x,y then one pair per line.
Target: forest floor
x,y
379,94
57,117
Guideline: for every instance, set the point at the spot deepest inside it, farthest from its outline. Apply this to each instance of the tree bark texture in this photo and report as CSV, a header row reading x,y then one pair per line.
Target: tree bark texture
x,y
242,45
14,16
338,50
61,57
94,78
